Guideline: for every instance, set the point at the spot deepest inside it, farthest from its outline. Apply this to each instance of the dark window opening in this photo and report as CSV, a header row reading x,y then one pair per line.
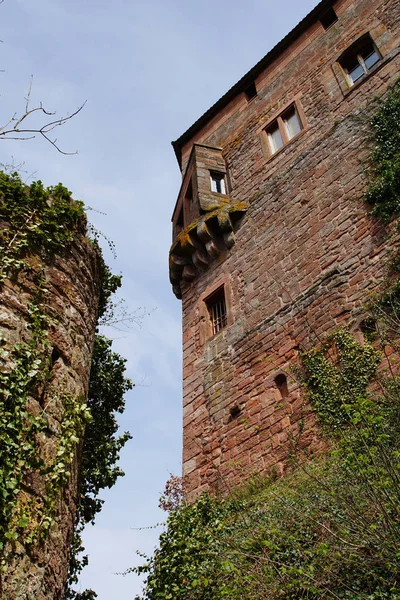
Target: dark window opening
x,y
359,59
179,223
218,182
189,204
235,411
55,355
281,384
216,306
250,91
328,18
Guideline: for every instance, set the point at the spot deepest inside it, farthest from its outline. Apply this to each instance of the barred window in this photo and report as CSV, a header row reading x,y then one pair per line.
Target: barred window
x,y
216,306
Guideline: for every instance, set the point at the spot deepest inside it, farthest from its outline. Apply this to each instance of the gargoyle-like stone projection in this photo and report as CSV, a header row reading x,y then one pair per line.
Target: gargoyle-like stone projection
x,y
202,241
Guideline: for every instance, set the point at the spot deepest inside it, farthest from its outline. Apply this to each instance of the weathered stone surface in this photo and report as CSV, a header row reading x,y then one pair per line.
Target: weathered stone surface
x,y
39,572
306,255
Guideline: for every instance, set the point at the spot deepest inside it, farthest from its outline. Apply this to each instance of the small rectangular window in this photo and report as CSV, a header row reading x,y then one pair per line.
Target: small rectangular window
x,y
216,306
250,91
218,182
359,59
328,18
285,127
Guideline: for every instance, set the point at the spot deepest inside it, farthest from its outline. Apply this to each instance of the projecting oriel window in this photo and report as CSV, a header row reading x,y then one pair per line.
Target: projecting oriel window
x,y
218,182
285,127
216,306
359,59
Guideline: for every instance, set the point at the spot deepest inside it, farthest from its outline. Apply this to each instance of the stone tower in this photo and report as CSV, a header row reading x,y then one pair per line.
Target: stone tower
x,y
50,278
272,241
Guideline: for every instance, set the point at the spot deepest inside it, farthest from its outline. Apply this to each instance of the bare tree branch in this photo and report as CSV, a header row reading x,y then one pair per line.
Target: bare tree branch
x,y
12,129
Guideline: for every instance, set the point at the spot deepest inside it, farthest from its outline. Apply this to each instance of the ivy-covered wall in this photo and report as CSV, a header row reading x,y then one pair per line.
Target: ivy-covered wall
x,y
50,275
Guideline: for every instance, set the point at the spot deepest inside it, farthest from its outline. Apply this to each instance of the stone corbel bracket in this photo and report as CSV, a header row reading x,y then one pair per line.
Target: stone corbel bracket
x,y
201,242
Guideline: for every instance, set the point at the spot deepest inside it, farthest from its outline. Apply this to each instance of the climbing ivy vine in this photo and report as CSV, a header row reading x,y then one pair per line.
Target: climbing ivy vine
x,y
37,223
384,163
336,376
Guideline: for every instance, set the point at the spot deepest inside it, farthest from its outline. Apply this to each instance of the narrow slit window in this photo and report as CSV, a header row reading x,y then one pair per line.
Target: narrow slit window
x,y
281,384
216,306
218,182
188,204
179,223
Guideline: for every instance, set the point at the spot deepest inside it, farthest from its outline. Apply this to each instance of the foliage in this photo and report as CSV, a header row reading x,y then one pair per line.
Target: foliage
x,y
18,429
37,223
174,494
110,284
101,447
107,387
330,530
38,219
337,376
384,169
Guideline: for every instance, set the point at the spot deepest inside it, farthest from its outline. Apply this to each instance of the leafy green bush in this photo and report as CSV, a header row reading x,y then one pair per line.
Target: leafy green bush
x,y
330,529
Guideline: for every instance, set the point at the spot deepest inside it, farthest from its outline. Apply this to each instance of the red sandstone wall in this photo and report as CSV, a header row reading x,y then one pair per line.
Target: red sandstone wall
x,y
306,253
39,571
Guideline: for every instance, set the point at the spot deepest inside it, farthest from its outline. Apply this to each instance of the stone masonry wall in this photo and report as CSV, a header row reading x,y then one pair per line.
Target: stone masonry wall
x,y
39,572
306,254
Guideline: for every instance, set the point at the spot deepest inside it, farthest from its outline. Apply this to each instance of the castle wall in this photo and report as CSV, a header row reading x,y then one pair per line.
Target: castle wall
x,y
38,571
306,257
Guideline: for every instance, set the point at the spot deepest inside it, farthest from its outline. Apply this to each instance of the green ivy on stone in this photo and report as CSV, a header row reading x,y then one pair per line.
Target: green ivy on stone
x,y
336,376
384,165
38,222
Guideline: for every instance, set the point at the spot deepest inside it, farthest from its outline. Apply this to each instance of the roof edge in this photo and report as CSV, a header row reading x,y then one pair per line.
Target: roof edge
x,y
245,81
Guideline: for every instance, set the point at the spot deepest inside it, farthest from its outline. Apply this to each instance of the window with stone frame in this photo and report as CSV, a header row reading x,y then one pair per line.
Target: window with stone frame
x,y
359,59
218,183
216,307
283,129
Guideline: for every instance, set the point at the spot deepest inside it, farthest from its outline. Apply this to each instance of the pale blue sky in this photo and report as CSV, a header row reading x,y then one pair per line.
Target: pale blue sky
x,y
148,70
